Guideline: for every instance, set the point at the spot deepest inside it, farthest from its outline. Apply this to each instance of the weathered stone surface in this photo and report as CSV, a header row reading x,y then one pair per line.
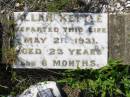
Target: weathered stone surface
x,y
127,39
1,31
116,36
119,37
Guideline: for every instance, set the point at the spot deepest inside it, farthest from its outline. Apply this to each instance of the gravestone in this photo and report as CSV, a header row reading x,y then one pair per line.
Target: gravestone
x,y
118,35
53,40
